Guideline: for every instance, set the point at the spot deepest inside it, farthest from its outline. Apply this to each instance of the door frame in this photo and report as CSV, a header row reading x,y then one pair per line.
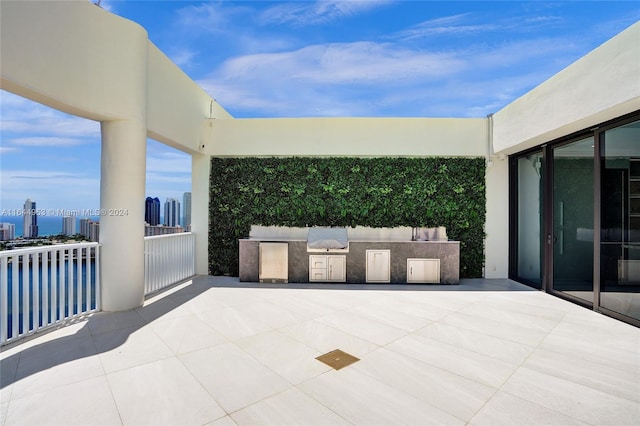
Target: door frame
x,y
598,134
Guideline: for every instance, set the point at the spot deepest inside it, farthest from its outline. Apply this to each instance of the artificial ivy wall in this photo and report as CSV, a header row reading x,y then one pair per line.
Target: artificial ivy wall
x,y
375,192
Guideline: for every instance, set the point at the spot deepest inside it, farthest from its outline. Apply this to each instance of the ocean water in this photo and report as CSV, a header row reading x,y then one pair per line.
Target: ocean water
x,y
47,225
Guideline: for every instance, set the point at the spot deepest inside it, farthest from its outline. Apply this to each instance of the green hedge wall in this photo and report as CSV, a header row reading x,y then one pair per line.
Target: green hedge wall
x,y
375,192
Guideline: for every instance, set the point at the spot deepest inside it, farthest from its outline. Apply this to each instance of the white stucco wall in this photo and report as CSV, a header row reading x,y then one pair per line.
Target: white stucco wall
x,y
176,105
600,86
349,136
497,224
93,71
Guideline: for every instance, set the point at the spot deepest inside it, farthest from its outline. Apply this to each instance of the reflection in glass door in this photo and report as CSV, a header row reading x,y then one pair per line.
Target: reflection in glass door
x,y
572,238
620,221
529,257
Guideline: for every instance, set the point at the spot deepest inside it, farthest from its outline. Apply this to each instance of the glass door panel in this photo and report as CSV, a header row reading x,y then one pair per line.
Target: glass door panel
x,y
572,237
620,223
529,222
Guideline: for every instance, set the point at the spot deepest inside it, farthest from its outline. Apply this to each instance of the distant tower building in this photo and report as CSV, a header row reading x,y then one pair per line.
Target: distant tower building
x,y
186,205
68,225
172,212
7,231
90,229
30,220
152,211
94,231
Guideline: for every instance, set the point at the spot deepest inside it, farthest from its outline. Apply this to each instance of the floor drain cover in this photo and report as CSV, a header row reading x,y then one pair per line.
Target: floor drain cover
x,y
337,359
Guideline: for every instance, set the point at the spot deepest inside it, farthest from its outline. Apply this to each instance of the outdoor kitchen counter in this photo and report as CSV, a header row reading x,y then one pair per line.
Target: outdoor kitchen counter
x,y
298,258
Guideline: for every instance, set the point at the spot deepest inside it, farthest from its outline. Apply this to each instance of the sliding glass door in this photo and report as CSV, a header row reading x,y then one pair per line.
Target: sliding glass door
x,y
572,233
620,221
529,221
575,218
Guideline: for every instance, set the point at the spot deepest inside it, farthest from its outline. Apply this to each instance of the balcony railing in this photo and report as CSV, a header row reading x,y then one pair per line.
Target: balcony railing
x,y
42,286
168,259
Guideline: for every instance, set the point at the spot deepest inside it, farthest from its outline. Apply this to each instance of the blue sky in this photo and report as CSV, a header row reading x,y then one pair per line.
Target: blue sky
x,y
301,59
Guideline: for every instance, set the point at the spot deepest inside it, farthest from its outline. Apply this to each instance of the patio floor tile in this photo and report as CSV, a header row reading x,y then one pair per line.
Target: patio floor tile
x,y
213,351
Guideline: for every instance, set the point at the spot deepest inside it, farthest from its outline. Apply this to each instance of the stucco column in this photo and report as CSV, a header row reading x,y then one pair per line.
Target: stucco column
x,y
122,190
200,169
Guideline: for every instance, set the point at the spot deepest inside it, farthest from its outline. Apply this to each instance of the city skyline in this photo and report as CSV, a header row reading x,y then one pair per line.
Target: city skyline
x,y
16,221
301,59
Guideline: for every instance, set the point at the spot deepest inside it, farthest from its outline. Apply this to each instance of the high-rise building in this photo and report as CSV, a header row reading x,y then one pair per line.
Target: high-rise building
x,y
68,225
152,211
94,231
172,212
30,220
186,208
7,231
84,227
90,229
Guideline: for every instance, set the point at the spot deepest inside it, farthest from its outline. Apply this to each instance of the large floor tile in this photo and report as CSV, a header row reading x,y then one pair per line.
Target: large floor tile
x,y
493,327
291,407
494,347
124,348
392,317
369,329
472,365
507,410
442,389
162,393
591,326
272,315
363,400
604,375
103,322
222,421
572,399
232,376
163,309
418,308
88,402
285,355
58,375
235,322
299,307
4,407
325,338
591,350
528,303
54,363
187,334
232,296
490,309
447,300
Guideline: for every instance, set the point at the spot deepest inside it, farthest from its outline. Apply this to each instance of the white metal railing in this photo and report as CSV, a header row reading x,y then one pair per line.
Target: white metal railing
x,y
42,286
168,259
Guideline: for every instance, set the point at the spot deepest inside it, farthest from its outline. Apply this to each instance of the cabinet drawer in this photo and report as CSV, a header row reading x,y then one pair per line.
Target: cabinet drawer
x,y
318,274
317,262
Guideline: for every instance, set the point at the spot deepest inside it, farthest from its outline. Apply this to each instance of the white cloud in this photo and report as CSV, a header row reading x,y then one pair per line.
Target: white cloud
x,y
313,13
20,115
54,189
169,162
211,17
8,149
342,63
183,57
367,78
46,141
446,25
